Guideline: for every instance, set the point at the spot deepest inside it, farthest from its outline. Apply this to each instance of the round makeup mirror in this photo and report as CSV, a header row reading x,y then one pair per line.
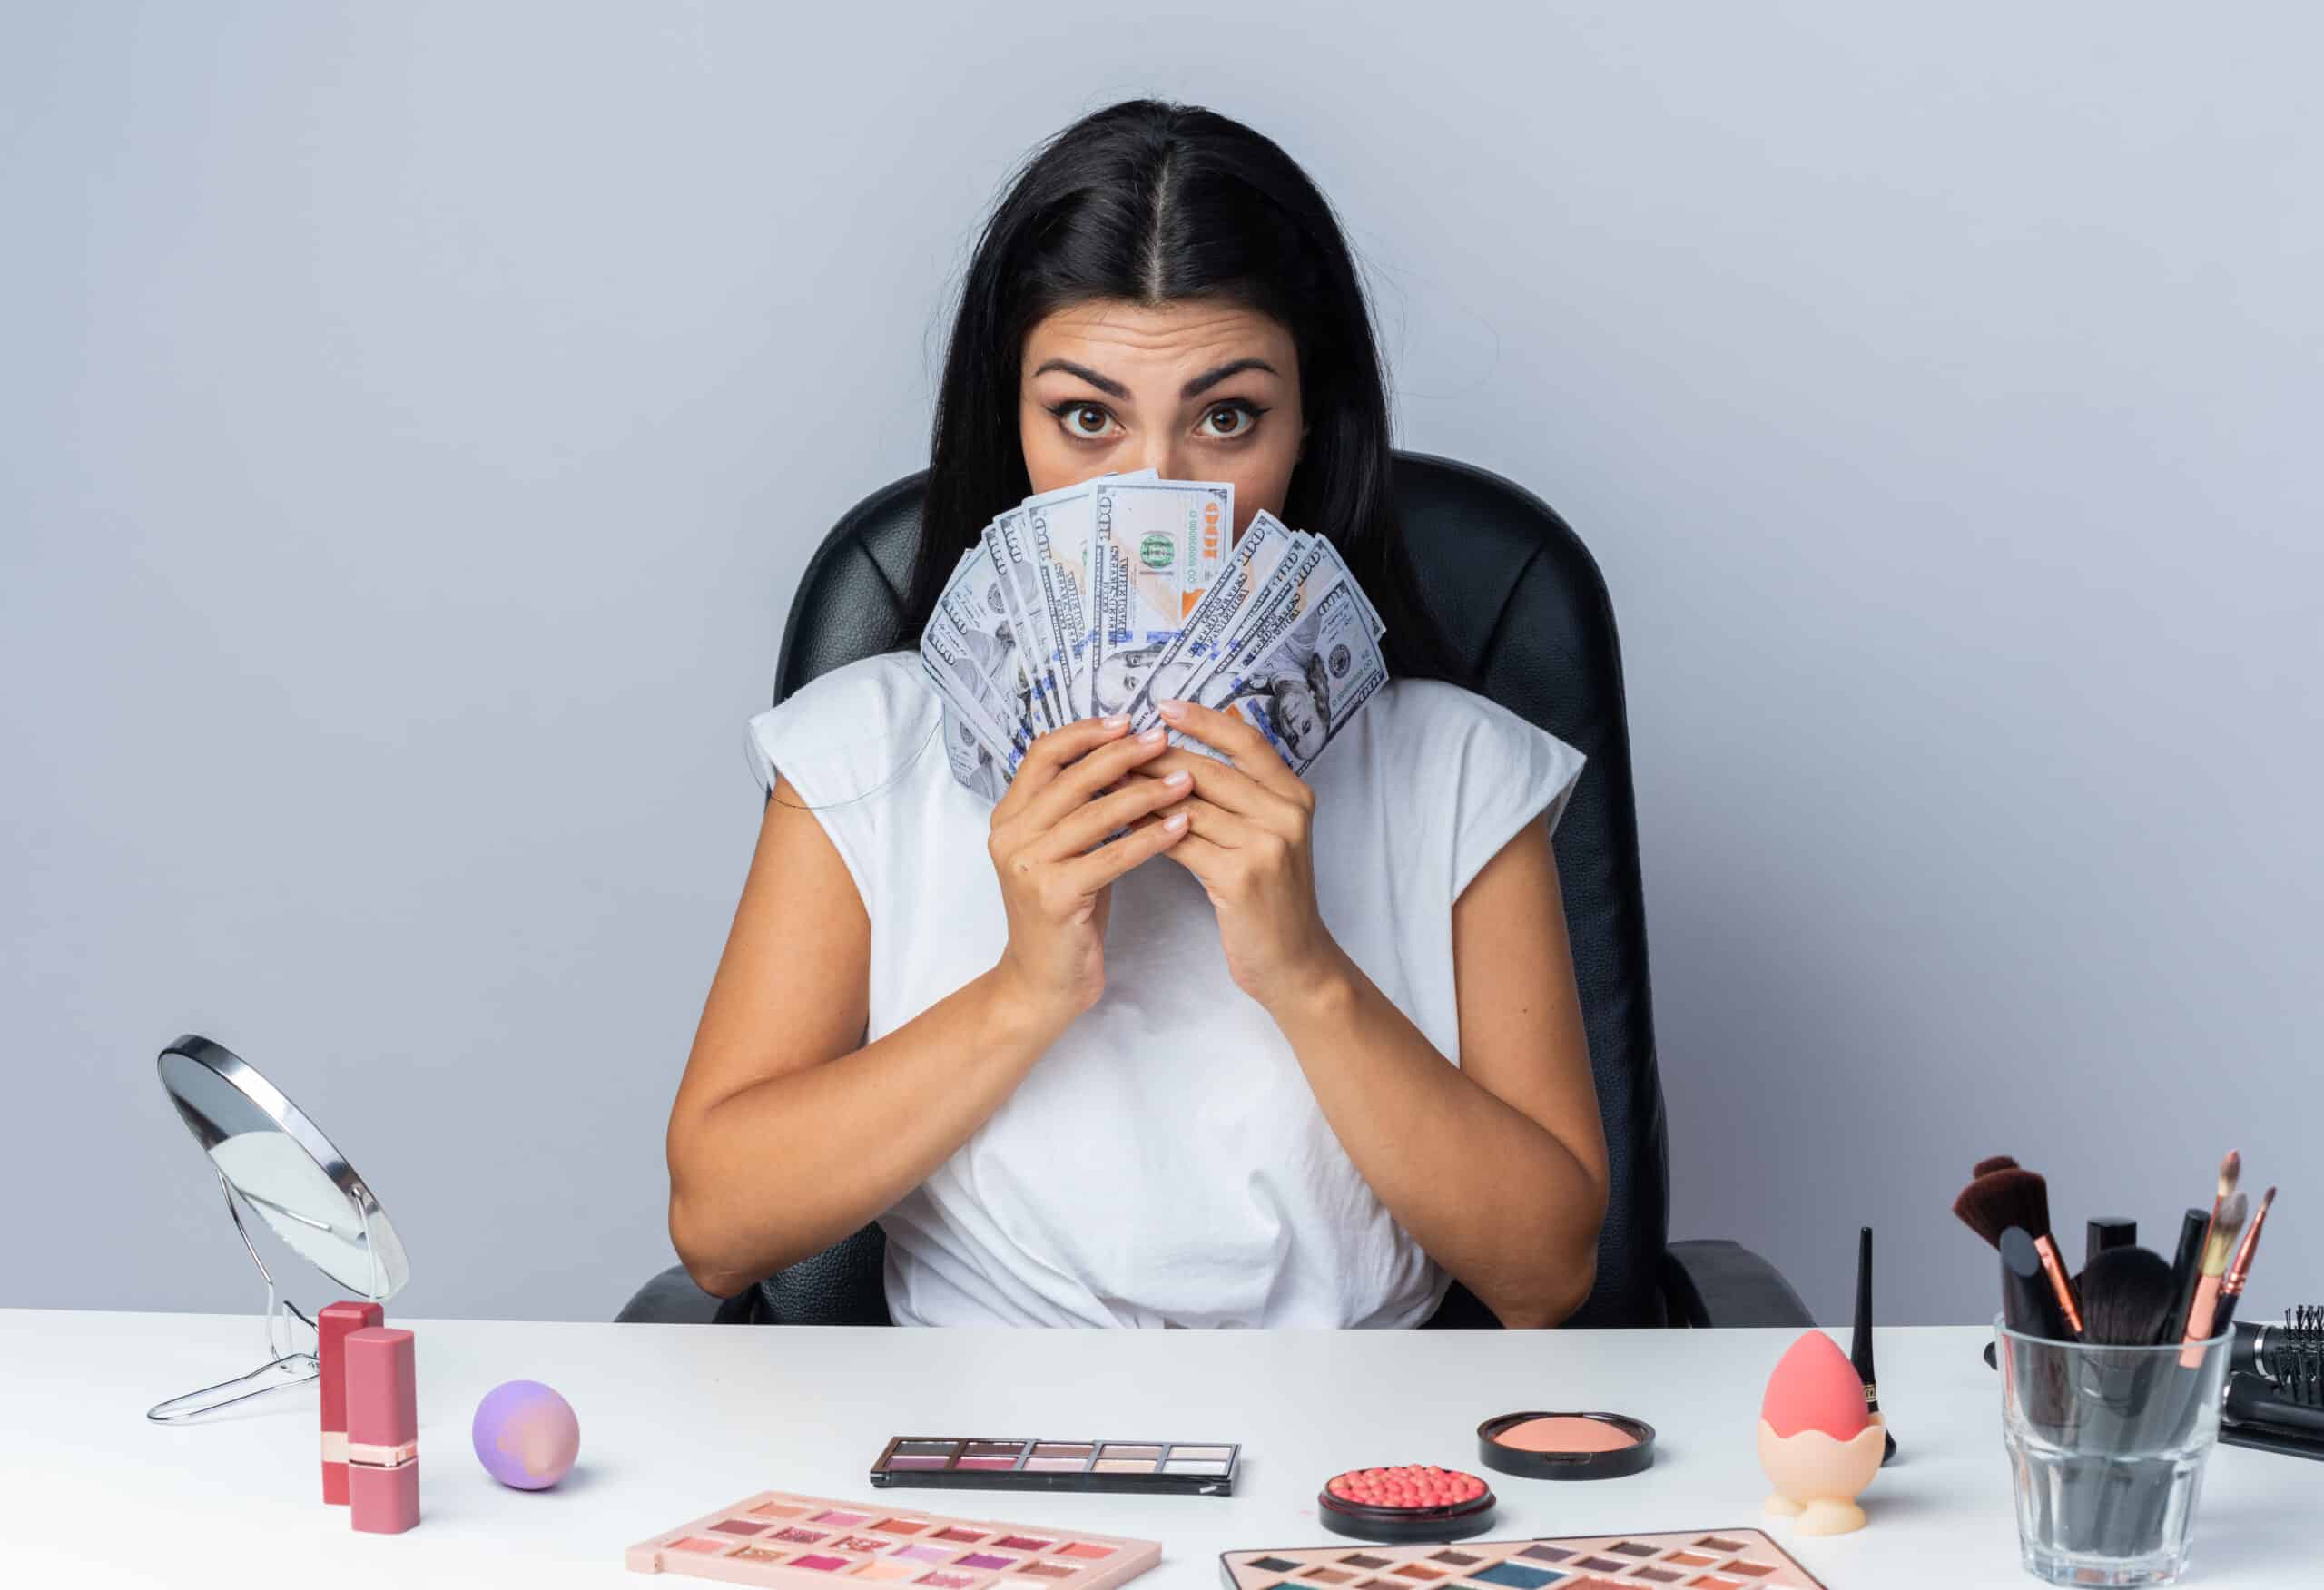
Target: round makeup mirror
x,y
269,1157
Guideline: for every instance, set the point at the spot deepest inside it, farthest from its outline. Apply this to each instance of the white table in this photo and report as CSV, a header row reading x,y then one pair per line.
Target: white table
x,y
679,1420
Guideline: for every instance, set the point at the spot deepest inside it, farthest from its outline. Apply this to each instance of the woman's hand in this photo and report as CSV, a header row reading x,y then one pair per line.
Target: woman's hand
x,y
1248,843
1056,896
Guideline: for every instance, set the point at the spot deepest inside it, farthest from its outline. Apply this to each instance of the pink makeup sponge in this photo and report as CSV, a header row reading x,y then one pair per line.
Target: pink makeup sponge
x,y
1815,1388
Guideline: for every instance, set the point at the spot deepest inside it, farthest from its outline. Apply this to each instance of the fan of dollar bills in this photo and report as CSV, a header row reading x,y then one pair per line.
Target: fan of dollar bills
x,y
1110,595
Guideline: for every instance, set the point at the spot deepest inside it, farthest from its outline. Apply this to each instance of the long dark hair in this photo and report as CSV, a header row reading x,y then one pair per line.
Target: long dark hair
x,y
1154,203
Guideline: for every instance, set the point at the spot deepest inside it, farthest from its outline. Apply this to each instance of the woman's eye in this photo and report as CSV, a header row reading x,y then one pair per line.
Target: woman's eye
x,y
1232,420
1084,419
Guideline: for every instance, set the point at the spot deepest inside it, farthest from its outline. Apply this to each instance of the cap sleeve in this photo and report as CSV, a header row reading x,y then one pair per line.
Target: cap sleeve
x,y
1509,773
841,737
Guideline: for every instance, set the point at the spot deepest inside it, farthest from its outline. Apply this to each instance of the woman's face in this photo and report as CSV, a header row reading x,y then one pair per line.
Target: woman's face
x,y
1196,390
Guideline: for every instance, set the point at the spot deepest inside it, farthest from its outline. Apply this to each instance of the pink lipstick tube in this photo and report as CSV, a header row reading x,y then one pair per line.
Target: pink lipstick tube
x,y
382,1432
332,1328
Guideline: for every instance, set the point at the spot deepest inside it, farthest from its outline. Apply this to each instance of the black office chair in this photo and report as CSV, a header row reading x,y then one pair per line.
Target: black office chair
x,y
1519,596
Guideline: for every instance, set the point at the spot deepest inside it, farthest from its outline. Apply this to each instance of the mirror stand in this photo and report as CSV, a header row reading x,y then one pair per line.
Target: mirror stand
x,y
287,1365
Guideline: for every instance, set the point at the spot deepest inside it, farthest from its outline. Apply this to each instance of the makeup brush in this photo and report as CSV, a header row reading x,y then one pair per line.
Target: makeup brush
x,y
1986,1167
2239,1269
2126,1297
2028,1305
2104,1233
2218,1246
2186,1268
2001,1199
1860,1344
2230,1170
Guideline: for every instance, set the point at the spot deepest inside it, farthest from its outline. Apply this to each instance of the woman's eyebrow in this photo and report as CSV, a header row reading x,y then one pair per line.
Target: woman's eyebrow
x,y
1113,388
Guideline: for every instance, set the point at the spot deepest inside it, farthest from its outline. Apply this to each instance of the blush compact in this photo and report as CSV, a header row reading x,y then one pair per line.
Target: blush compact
x,y
1566,1446
1411,1502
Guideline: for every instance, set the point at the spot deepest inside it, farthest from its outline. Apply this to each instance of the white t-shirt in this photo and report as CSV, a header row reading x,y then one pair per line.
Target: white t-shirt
x,y
1165,1162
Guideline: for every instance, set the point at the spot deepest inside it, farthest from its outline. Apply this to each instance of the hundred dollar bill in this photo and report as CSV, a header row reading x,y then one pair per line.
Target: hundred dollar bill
x,y
1012,560
1295,587
1303,686
1370,613
1057,527
971,760
1256,553
1153,553
976,604
959,676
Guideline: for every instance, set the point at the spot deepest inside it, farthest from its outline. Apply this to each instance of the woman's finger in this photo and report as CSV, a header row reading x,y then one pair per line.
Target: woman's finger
x,y
1088,874
1225,785
1088,824
1228,732
1049,754
1079,784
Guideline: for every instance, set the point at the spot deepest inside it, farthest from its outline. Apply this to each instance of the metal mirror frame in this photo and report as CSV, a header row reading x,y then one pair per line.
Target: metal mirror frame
x,y
287,1365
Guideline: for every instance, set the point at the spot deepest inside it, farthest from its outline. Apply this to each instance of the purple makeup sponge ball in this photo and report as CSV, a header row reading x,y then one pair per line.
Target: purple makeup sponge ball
x,y
526,1434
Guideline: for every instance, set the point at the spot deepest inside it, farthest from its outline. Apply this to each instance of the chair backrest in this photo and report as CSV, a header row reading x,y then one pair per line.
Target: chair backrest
x,y
1519,597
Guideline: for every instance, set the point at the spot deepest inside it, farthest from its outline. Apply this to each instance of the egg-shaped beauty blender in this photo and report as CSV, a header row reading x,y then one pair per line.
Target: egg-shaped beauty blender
x,y
1818,1442
1815,1388
526,1434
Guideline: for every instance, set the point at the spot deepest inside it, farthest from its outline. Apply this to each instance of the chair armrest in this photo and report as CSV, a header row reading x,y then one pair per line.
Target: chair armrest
x,y
671,1297
1719,1282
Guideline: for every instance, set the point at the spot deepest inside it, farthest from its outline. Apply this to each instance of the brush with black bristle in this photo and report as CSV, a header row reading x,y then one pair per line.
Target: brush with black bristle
x,y
2126,1298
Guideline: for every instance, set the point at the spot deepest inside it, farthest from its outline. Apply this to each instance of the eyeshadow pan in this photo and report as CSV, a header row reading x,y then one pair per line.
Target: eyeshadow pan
x,y
740,1527
1209,1454
799,1535
1114,1449
1660,1575
945,1448
817,1561
1753,1570
1022,1543
1047,1570
1517,1575
758,1554
990,1463
956,1532
1414,1571
1381,1585
924,1553
1364,1560
1631,1548
1126,1466
1190,1465
880,1571
995,1448
859,1543
1084,1548
839,1519
1056,1465
983,1559
700,1543
1690,1559
1547,1553
1713,1543
1597,1564
893,1526
1327,1575
947,1581
1459,1560
913,1460
1274,1565
1063,1449
1713,1582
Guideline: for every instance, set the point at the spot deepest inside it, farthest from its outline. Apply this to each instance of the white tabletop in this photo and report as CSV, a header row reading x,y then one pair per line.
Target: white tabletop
x,y
677,1420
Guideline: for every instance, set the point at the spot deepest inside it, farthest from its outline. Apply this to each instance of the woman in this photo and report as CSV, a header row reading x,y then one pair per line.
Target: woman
x,y
1289,1052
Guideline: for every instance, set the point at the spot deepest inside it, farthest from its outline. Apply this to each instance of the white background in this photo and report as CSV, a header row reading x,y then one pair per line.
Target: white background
x,y
416,418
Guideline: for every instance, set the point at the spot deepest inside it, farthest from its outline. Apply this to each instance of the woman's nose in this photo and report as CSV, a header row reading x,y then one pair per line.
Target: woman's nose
x,y
1158,454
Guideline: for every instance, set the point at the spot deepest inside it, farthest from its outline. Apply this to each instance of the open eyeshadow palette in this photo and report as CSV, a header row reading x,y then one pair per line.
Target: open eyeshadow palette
x,y
778,1539
1188,1468
1726,1559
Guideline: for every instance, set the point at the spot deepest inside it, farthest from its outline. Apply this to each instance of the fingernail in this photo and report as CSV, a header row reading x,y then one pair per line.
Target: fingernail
x,y
1170,709
1117,721
1178,777
1151,737
1174,823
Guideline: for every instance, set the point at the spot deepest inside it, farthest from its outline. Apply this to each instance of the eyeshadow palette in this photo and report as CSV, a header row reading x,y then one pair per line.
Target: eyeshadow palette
x,y
1693,1559
791,1541
1186,1469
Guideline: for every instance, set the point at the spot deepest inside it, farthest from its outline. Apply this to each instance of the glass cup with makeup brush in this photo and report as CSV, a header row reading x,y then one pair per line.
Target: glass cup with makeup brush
x,y
2106,1450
